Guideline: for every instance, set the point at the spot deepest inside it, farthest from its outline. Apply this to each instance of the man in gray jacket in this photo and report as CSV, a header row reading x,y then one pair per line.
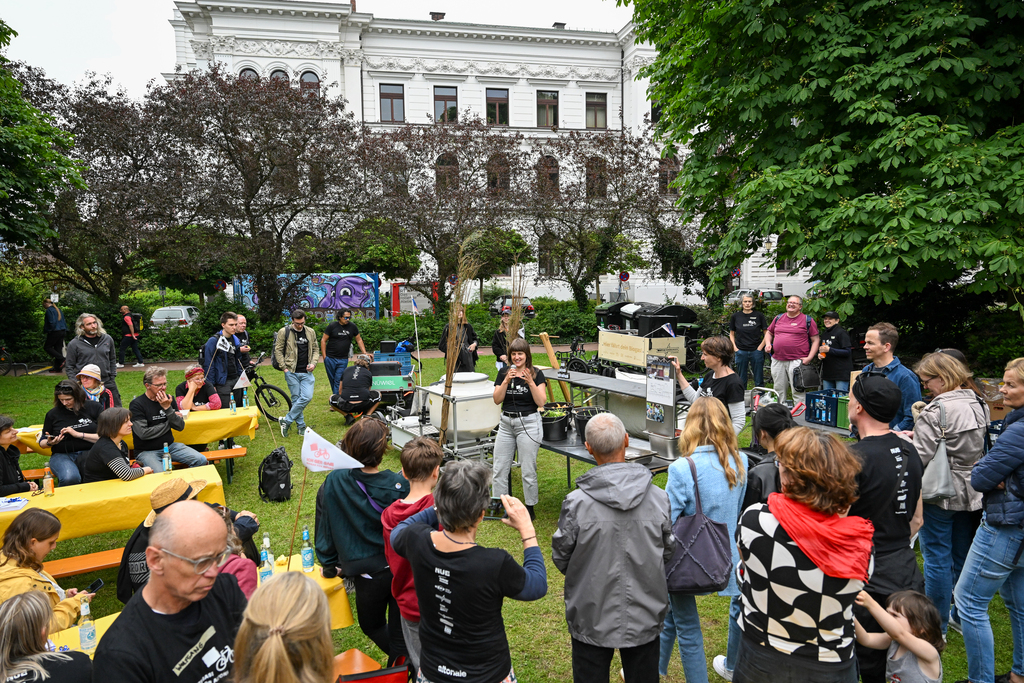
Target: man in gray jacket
x,y
614,537
93,346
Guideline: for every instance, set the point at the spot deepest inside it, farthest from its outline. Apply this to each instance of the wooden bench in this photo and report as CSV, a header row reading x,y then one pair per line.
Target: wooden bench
x,y
33,474
228,455
353,662
82,564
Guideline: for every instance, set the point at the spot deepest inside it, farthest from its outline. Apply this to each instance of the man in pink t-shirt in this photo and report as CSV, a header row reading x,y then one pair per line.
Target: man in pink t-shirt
x,y
421,464
792,339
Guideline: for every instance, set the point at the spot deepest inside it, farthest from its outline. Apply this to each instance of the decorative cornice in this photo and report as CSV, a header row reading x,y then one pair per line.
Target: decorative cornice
x,y
272,48
202,49
478,68
636,63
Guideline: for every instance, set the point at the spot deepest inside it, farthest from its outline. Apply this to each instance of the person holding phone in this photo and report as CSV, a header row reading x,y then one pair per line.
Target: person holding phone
x,y
69,431
28,540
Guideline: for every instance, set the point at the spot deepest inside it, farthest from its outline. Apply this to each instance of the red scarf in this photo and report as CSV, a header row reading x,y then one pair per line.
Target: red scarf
x,y
838,546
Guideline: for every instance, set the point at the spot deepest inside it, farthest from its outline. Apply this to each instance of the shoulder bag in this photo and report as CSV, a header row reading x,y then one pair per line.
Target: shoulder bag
x,y
702,559
937,481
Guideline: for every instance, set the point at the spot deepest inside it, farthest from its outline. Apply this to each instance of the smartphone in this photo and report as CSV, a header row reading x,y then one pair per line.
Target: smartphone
x,y
94,586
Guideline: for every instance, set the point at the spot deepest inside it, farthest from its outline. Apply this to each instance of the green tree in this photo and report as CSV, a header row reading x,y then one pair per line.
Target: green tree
x,y
881,142
33,165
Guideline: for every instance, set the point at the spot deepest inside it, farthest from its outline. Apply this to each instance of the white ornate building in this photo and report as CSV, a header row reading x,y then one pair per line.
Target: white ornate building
x,y
394,71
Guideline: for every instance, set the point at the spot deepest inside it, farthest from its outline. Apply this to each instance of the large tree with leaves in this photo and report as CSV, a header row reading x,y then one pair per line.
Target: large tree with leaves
x,y
882,142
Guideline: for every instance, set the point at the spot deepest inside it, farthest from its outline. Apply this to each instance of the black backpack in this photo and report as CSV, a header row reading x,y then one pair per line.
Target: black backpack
x,y
275,478
273,349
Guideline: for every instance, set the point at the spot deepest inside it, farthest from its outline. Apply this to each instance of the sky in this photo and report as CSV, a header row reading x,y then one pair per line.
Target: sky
x,y
133,40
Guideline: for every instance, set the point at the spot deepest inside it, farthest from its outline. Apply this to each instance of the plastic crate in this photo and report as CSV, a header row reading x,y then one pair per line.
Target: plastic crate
x,y
404,358
843,419
823,407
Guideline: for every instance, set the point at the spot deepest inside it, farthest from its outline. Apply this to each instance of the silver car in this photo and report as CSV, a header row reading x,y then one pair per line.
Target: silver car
x,y
174,316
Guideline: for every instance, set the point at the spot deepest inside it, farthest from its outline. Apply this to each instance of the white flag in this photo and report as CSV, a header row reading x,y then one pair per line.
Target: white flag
x,y
320,455
242,383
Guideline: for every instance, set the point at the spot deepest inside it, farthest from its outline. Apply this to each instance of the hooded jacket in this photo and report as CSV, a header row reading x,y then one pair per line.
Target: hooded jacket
x,y
614,537
1003,463
15,580
966,424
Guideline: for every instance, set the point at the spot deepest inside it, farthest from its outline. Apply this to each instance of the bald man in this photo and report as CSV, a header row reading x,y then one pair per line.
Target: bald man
x,y
180,628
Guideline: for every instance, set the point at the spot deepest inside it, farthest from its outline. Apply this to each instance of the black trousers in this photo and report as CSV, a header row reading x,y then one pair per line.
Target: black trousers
x,y
756,663
54,347
134,344
590,663
378,615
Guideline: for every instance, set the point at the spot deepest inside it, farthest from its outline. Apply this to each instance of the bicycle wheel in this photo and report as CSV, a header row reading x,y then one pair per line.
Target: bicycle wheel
x,y
5,361
577,365
273,402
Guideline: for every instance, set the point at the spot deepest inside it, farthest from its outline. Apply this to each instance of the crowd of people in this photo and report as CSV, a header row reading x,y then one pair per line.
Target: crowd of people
x,y
825,583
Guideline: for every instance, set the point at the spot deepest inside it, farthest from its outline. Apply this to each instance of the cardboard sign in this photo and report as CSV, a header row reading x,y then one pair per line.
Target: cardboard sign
x,y
320,455
622,348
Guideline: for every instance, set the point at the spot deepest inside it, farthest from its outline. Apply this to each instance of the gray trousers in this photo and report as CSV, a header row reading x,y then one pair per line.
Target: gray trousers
x,y
521,434
411,633
782,376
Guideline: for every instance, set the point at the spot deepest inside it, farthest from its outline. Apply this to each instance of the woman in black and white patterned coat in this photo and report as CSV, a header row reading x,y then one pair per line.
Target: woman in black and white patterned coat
x,y
802,563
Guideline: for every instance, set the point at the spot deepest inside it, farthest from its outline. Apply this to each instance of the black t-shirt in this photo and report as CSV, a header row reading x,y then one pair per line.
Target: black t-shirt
x,y
84,421
147,411
356,382
884,498
836,366
749,329
201,397
340,338
196,644
726,389
12,481
96,466
517,396
302,346
76,670
460,594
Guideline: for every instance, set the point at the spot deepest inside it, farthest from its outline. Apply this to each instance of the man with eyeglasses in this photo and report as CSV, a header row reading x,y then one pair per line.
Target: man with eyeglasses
x,y
181,627
335,344
154,421
297,354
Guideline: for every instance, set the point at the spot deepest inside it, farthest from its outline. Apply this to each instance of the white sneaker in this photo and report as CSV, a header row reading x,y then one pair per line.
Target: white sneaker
x,y
719,665
119,365
139,365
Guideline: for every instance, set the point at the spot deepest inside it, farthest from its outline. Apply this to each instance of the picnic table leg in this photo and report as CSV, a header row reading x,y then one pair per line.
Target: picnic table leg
x,y
568,474
230,468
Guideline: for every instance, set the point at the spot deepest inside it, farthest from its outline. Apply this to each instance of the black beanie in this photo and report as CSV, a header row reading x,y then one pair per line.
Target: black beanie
x,y
879,395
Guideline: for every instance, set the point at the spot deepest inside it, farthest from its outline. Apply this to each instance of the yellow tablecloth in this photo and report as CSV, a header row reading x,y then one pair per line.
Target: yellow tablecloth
x,y
334,589
69,636
103,506
201,426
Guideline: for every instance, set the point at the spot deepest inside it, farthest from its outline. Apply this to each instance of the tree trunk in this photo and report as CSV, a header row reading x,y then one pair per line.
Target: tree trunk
x,y
579,295
597,289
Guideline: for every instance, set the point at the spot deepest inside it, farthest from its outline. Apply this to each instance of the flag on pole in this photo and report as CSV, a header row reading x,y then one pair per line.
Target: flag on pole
x,y
320,455
415,308
242,383
668,328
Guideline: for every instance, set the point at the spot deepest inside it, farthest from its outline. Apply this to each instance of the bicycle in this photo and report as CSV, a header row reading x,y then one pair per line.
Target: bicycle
x,y
6,362
272,400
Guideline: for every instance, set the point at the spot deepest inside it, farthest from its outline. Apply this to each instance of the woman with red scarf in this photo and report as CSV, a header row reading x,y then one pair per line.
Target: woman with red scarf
x,y
802,563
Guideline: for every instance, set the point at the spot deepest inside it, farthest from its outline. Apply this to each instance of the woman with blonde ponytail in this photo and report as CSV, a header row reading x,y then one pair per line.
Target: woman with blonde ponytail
x,y
285,636
709,441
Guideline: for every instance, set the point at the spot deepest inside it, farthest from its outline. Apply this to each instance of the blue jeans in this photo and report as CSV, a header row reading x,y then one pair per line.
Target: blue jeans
x,y
180,453
335,368
755,357
945,540
835,384
300,386
989,568
65,467
683,622
732,649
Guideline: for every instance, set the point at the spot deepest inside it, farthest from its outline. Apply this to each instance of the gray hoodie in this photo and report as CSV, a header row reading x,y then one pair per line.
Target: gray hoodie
x,y
614,537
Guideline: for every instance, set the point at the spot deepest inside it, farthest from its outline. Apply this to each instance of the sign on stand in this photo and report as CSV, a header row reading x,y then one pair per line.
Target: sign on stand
x,y
633,350
661,396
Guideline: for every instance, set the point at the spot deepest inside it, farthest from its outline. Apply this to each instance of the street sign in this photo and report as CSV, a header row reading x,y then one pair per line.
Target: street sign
x,y
624,276
452,279
735,272
220,286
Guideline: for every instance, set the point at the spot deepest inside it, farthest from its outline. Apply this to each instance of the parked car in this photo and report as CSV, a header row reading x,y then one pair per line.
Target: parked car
x,y
529,312
767,295
174,316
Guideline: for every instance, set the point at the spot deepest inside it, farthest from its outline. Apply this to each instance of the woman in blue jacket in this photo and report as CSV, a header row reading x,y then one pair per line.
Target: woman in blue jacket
x,y
996,559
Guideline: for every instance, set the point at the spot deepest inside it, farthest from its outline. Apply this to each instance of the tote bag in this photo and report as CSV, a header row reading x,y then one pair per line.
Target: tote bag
x,y
937,482
702,559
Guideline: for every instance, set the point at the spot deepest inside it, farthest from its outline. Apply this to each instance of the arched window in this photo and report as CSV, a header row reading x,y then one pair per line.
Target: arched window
x,y
668,169
279,75
249,73
447,172
547,175
597,178
499,175
547,262
309,82
396,178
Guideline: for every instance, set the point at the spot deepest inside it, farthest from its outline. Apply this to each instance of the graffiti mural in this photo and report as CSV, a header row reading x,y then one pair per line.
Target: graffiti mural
x,y
323,294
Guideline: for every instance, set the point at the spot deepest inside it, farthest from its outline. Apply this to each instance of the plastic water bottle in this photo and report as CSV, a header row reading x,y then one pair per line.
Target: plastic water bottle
x,y
168,467
47,483
87,629
307,550
266,559
234,408
245,397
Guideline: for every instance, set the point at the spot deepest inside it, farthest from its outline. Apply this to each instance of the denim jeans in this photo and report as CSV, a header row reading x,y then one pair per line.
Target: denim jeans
x,y
179,453
521,434
591,662
335,368
755,358
835,384
300,385
945,540
65,467
683,622
732,649
989,568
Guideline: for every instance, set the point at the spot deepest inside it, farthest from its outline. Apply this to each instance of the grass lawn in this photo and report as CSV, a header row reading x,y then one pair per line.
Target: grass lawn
x,y
536,631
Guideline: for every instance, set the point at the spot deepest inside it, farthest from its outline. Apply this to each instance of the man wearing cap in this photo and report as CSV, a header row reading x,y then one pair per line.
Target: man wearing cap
x,y
297,353
181,627
792,339
134,572
92,383
154,421
889,496
879,345
835,353
93,346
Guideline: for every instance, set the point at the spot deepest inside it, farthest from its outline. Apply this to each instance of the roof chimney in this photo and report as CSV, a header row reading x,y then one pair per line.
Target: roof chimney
x,y
437,16
559,25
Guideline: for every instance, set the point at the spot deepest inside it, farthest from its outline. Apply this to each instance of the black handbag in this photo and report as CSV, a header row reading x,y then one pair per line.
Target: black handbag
x,y
702,559
806,378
